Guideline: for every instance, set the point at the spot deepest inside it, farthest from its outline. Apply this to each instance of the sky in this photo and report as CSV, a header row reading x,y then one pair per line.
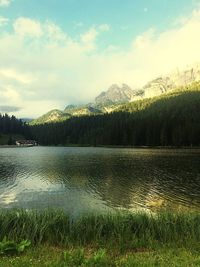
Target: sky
x,y
59,52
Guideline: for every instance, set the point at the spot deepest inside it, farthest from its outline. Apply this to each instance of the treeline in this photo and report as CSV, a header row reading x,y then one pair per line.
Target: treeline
x,y
10,125
169,120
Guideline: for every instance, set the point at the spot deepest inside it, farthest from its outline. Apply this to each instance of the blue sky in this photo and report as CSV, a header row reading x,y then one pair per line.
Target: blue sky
x,y
127,18
59,52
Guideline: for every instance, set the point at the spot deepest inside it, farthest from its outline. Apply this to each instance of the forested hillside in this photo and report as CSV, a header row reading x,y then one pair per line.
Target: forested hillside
x,y
12,128
116,95
169,120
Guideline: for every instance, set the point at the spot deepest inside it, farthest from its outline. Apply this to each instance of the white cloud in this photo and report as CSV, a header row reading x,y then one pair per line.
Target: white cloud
x,y
125,27
78,24
13,74
172,48
26,26
89,38
3,21
104,27
4,3
143,41
10,94
52,69
49,31
54,32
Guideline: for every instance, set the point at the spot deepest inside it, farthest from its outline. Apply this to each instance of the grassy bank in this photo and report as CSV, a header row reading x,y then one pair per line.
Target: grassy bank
x,y
48,256
105,240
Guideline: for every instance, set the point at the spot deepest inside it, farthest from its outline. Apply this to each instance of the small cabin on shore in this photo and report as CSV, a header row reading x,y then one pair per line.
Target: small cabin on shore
x,y
26,143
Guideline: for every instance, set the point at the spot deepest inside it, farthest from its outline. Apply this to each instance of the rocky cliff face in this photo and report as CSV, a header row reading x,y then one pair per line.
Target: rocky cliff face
x,y
169,82
115,94
163,84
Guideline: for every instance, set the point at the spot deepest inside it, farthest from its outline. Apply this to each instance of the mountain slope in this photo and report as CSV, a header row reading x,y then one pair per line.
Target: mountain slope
x,y
171,81
81,110
116,95
171,119
106,102
51,116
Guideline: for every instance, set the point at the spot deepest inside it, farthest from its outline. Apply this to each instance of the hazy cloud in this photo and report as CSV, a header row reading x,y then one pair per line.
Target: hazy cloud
x,y
104,27
7,109
3,21
42,67
26,26
15,75
78,24
4,3
88,38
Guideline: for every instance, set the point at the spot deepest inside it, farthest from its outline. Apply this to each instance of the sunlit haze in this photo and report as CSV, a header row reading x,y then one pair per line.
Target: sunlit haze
x,y
59,52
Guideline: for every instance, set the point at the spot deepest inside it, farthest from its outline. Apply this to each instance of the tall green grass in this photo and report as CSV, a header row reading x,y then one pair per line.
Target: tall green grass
x,y
117,230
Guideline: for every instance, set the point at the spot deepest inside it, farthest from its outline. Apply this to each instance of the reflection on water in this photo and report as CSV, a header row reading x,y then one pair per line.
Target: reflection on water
x,y
99,179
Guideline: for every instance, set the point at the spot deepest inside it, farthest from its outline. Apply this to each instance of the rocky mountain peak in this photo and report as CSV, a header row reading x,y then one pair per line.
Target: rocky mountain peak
x,y
172,81
115,94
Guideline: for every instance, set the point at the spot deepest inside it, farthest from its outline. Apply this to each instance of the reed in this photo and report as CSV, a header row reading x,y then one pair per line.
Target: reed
x,y
122,230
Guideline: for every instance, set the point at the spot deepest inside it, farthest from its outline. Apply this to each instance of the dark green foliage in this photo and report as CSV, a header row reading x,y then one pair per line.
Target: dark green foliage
x,y
169,120
78,258
12,126
10,140
125,230
11,247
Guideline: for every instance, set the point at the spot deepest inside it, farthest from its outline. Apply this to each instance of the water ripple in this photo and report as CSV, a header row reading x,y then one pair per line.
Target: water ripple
x,y
88,179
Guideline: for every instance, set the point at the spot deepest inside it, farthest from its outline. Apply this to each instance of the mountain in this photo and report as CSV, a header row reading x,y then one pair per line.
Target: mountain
x,y
70,111
117,95
51,116
171,119
174,80
81,110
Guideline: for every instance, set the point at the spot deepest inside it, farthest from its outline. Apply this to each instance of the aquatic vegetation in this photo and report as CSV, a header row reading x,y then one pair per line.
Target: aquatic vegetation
x,y
120,239
124,230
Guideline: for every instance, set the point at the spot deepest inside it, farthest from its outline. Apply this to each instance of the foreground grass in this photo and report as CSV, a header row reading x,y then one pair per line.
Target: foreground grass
x,y
45,256
104,240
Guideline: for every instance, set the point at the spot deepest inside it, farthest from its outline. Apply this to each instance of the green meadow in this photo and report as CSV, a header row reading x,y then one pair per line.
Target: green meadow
x,y
52,238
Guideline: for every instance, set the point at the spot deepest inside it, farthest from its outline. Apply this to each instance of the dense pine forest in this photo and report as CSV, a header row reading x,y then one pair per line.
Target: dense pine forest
x,y
10,128
169,120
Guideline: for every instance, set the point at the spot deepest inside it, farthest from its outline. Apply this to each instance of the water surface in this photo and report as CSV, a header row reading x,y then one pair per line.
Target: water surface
x,y
99,179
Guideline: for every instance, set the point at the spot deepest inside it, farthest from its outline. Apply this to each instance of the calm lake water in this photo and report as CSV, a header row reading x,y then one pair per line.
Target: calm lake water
x,y
99,179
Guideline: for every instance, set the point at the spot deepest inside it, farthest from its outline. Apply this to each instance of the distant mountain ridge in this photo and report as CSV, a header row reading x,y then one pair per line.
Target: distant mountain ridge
x,y
175,79
81,110
51,116
117,95
171,119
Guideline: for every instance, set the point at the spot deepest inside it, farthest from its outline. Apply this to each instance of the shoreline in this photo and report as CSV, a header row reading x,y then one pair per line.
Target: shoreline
x,y
13,146
109,146
132,147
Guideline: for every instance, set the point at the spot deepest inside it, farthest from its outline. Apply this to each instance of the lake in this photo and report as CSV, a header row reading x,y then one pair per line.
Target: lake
x,y
81,180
